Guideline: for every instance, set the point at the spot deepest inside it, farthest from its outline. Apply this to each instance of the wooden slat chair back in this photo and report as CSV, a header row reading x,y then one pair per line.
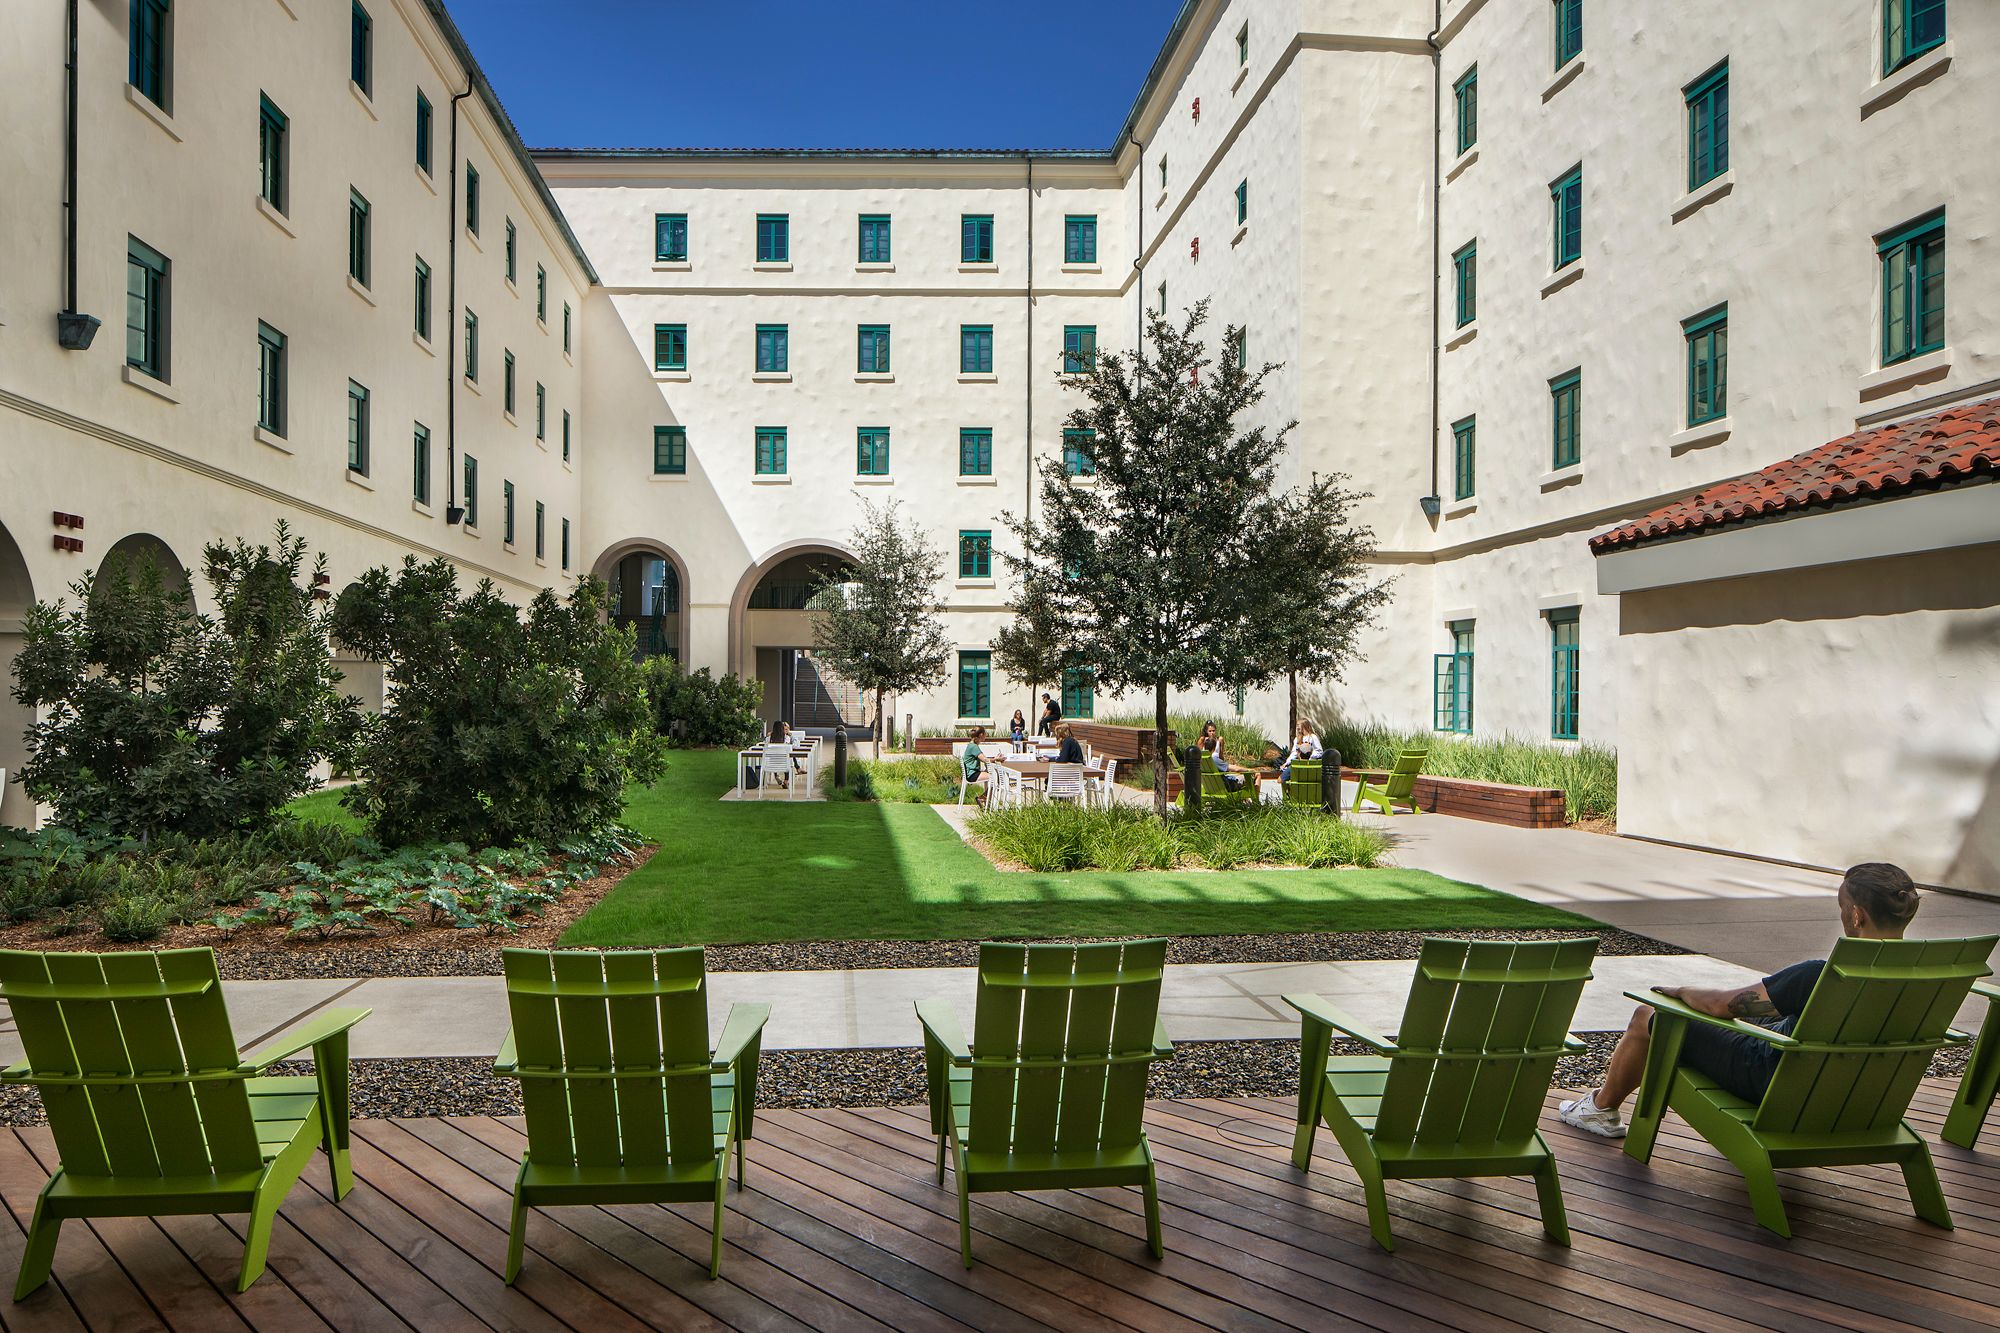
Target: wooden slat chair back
x,y
1980,1082
1303,786
1215,784
1460,1090
625,1101
1051,1091
1845,1075
152,1109
1400,787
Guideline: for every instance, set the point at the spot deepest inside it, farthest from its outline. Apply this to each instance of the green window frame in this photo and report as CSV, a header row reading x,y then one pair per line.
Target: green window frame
x,y
1163,171
565,442
1566,419
148,289
1080,238
472,347
1909,28
565,545
1912,288
670,347
1465,269
975,349
871,451
1079,692
1708,125
541,295
511,250
507,512
774,351
1242,202
1464,457
1242,58
421,300
1162,293
1080,453
872,349
975,451
270,379
1465,108
670,451
1707,336
874,239
148,72
975,238
1079,348
468,474
566,329
1569,30
1565,645
361,50
1566,211
975,553
541,411
357,429
420,464
670,238
472,198
424,119
541,530
507,381
975,684
273,127
357,236
1243,347
771,441
1451,683
774,238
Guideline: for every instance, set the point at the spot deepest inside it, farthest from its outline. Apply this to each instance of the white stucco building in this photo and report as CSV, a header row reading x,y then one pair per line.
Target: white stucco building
x,y
1536,269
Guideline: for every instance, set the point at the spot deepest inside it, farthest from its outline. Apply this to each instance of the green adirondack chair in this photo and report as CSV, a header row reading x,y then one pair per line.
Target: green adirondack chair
x,y
1981,1080
1051,1091
154,1113
1459,1092
1215,788
1401,786
1845,1076
1303,786
625,1101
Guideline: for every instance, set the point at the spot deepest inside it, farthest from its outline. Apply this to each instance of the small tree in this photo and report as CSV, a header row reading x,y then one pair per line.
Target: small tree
x,y
1031,648
878,623
1171,570
699,708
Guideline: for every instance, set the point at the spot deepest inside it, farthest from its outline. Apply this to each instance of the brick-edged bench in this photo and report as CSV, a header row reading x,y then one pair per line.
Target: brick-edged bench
x,y
1494,802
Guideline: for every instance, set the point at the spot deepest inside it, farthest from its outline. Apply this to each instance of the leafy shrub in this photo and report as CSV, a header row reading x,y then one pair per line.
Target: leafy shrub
x,y
697,708
502,728
1057,837
1587,774
921,780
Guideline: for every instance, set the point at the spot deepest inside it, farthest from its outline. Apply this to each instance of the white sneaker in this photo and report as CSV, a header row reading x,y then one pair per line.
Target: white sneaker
x,y
1584,1113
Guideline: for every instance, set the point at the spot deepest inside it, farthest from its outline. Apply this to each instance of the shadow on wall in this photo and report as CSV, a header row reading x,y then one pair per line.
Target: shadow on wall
x,y
17,593
1977,862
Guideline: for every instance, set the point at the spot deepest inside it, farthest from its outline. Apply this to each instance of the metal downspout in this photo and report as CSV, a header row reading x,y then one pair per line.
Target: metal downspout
x,y
454,512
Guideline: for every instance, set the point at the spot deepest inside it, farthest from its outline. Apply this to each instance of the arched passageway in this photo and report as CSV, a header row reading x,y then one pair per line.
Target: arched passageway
x,y
649,592
770,637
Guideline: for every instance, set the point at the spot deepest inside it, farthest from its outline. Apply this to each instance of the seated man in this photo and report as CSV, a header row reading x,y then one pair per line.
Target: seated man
x,y
1877,902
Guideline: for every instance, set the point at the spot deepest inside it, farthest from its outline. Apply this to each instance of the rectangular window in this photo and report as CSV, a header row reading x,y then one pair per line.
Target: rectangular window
x,y
975,238
1465,265
1080,347
469,483
770,451
1565,419
541,294
272,129
975,349
270,379
357,237
507,381
1163,171
1909,28
975,684
1243,348
1708,365
774,353
1708,125
361,50
507,512
1080,239
975,452
423,300
1569,31
541,531
873,353
774,238
1242,202
871,451
1079,693
423,133
1451,685
1465,107
1464,451
472,347
1163,298
146,315
565,544
1080,453
565,435
472,198
357,429
670,347
670,238
1242,58
874,239
420,464
670,451
149,50
1564,641
1566,210
541,412
975,554
1912,289
510,250
566,325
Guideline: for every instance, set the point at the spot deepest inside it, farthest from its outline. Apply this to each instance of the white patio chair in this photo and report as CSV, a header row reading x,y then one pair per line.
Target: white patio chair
x,y
1100,787
774,767
1066,784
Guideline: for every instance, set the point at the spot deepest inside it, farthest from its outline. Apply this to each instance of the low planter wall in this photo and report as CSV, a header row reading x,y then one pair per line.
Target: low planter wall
x,y
1494,802
935,744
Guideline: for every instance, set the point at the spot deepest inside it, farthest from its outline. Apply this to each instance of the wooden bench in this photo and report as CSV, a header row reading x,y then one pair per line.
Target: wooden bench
x,y
1494,802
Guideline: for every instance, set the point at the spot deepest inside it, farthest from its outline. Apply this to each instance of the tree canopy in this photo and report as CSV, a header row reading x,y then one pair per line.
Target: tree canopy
x,y
878,622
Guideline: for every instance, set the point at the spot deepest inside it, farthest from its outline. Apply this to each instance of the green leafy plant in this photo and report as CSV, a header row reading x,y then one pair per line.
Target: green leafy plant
x,y
1586,773
878,625
1059,837
699,708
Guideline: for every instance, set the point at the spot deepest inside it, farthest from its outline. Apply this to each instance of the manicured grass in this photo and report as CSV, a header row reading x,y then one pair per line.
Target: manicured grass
x,y
743,872
324,807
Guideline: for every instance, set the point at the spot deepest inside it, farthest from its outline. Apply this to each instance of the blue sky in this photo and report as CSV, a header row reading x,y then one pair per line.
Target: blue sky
x,y
835,74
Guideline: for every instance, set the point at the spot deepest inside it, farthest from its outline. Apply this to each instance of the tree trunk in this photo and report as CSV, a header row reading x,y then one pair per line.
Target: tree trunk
x,y
1160,750
878,724
1292,709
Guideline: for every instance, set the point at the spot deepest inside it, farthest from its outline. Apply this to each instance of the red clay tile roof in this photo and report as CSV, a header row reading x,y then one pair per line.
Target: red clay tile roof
x,y
1946,447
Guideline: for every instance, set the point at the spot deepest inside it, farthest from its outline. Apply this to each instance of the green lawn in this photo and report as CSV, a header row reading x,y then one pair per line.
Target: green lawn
x,y
730,872
324,807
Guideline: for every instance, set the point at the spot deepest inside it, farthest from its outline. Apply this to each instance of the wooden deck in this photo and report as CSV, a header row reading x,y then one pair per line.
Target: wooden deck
x,y
844,1227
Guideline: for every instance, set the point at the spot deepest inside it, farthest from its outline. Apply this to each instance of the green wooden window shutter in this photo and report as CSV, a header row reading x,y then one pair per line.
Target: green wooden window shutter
x,y
470,484
472,347
1242,202
566,326
1451,696
1465,265
1566,196
1909,28
507,512
1569,31
149,50
270,379
1912,288
871,452
541,531
1707,337
773,348
511,248
472,198
1079,348
272,128
1565,415
874,238
541,412
1465,104
361,50
670,347
774,238
1464,443
975,238
1564,644
423,132
541,294
975,684
565,453
1708,125
975,453
420,464
1080,239
975,554
669,450
423,299
1079,693
1080,453
507,381
357,429
873,349
975,349
357,237
770,451
565,543
670,238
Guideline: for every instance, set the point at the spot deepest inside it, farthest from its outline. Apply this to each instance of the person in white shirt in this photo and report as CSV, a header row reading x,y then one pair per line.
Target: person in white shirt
x,y
1305,747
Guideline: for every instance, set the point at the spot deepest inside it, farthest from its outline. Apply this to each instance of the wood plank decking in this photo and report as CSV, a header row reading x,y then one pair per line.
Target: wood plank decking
x,y
844,1227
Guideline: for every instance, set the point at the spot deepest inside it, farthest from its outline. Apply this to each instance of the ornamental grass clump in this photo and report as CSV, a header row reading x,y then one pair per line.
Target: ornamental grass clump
x,y
1056,836
1586,773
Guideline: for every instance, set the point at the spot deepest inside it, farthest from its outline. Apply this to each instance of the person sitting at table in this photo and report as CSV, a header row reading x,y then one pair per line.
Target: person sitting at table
x,y
781,734
1071,749
1051,714
974,764
1305,748
1017,731
1211,745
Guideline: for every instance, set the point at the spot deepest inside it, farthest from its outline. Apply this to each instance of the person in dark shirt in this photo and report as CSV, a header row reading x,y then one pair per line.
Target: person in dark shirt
x,y
1051,714
1071,749
1877,902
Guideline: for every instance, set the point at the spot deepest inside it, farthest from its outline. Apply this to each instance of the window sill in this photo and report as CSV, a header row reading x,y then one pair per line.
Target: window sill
x,y
874,268
1891,88
472,238
277,219
987,584
367,102
979,481
541,562
1083,268
1085,479
1242,73
1564,77
1460,508
1462,335
988,267
510,548
509,417
1903,374
542,443
1562,278
139,379
670,476
422,342
152,111
271,438
980,377
1465,159
874,481
672,376
1703,195
785,267
1559,477
360,479
767,480
469,529
472,384
771,377
513,288
1242,230
874,377
1161,202
354,285
420,507
424,178
672,266
1695,437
